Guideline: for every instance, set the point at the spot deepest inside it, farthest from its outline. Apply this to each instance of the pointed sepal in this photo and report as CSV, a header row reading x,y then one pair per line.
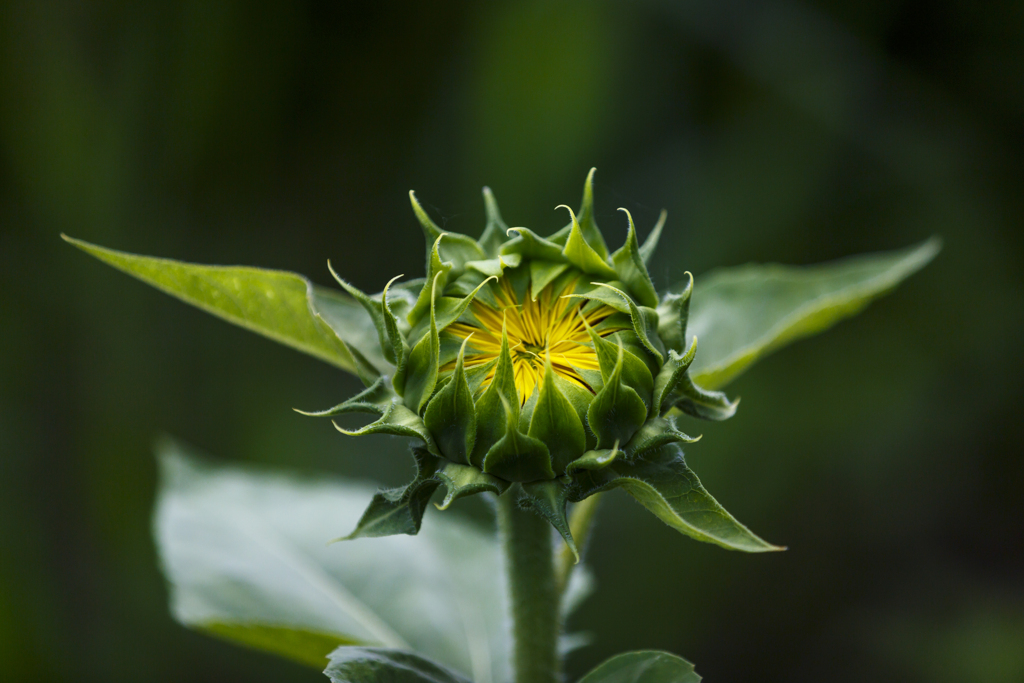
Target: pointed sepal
x,y
400,510
459,249
495,232
582,255
495,266
653,436
464,480
530,245
438,272
673,314
517,456
673,388
450,416
670,377
447,309
493,405
645,323
396,420
424,361
555,422
617,411
594,460
543,273
635,372
549,499
375,399
390,342
702,403
399,347
587,221
649,246
632,270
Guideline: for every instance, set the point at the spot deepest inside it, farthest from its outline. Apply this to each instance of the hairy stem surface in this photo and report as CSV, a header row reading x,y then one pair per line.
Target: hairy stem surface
x,y
530,562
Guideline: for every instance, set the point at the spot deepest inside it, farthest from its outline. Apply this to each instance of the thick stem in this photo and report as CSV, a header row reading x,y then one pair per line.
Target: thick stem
x,y
530,563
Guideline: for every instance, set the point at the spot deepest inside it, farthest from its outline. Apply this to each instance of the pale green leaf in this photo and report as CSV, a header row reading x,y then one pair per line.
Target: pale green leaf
x,y
280,305
742,314
245,553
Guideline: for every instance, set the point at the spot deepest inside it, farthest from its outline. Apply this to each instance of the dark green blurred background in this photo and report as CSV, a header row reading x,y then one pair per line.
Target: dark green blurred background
x,y
886,454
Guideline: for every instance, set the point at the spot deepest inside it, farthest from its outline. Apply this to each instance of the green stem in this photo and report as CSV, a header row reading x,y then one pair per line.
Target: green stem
x,y
533,587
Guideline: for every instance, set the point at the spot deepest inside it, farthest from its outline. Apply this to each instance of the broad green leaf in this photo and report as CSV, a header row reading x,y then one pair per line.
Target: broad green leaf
x,y
663,484
245,553
282,306
741,314
384,665
645,666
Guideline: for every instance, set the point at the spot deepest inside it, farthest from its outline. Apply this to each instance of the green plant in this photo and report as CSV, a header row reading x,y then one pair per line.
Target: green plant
x,y
540,371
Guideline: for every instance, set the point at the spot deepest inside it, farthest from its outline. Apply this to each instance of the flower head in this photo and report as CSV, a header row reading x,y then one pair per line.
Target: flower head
x,y
529,360
549,327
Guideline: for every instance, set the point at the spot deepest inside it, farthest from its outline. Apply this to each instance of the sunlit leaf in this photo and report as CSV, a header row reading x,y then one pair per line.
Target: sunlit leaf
x,y
282,306
742,314
245,552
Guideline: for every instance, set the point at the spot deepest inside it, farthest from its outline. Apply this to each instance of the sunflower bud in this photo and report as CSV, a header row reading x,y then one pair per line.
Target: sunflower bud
x,y
528,360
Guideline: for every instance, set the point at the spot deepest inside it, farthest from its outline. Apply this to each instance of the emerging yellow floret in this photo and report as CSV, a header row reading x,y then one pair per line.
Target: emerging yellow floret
x,y
550,326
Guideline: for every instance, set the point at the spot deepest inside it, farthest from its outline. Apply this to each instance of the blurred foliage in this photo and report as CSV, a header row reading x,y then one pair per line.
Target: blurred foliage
x,y
885,454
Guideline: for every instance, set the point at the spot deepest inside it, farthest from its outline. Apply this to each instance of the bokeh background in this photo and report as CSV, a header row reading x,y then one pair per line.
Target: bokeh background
x,y
887,454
